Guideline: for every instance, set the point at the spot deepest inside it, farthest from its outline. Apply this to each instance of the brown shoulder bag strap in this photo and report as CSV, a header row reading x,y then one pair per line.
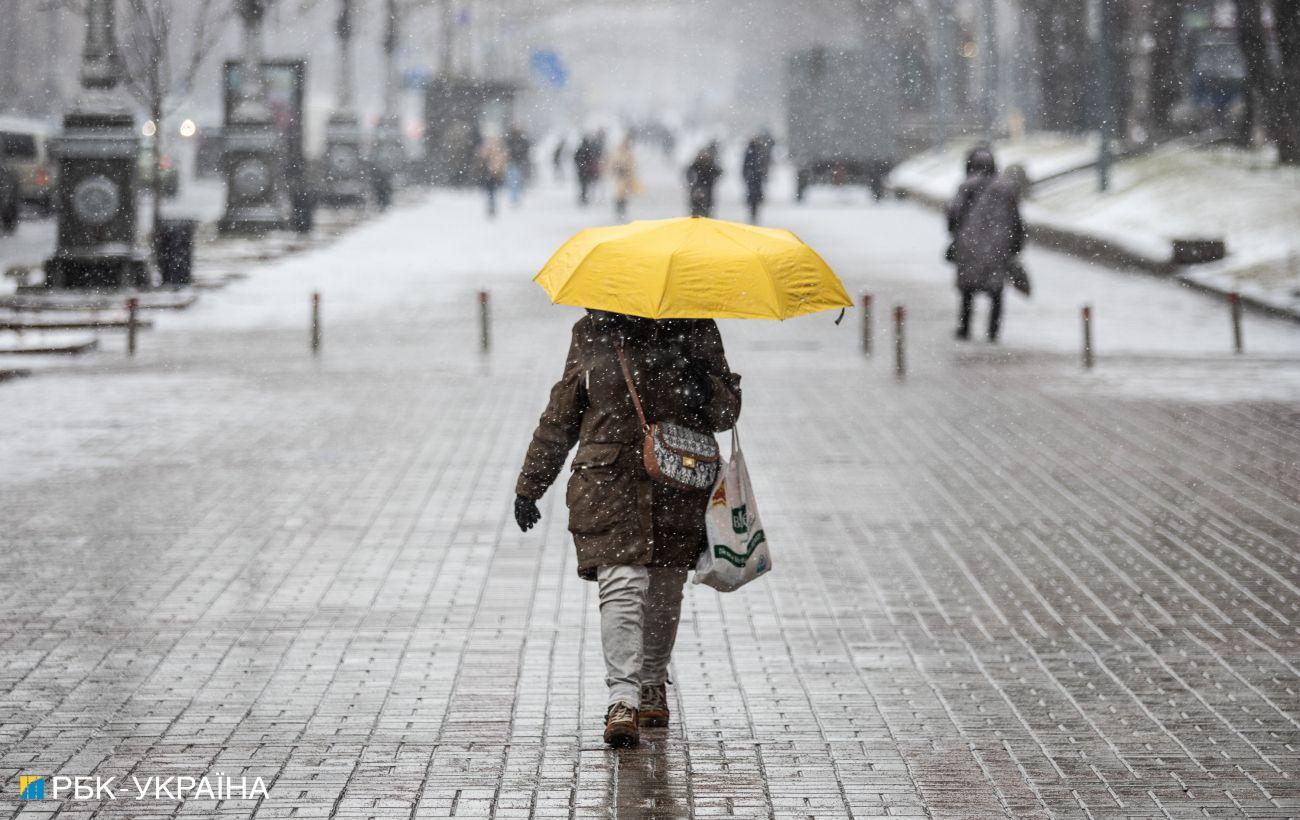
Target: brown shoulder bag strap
x,y
627,377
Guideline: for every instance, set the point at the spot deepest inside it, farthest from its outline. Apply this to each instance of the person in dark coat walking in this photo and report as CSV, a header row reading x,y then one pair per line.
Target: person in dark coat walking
x,y
586,162
519,170
701,175
987,234
635,537
492,162
754,168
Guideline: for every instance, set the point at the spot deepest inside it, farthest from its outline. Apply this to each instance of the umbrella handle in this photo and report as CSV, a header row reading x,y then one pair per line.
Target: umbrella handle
x,y
840,318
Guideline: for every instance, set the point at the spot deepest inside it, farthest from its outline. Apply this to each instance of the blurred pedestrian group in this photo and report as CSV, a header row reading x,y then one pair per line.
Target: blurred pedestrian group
x,y
504,161
984,222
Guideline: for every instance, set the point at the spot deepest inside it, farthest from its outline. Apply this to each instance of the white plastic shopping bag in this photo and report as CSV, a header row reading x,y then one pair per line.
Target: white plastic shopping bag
x,y
737,551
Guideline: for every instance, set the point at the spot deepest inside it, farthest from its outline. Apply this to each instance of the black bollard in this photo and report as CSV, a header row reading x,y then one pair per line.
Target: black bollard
x,y
900,356
132,323
315,323
1234,302
485,322
866,323
1087,337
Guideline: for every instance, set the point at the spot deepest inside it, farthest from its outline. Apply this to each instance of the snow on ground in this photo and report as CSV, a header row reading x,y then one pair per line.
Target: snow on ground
x,y
1151,339
938,173
1175,191
439,249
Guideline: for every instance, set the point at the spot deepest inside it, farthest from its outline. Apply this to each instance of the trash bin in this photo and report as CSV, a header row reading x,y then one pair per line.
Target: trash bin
x,y
303,204
174,247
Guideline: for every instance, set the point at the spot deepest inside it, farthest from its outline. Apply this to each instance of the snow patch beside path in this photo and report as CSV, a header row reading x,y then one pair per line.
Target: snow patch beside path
x,y
1173,192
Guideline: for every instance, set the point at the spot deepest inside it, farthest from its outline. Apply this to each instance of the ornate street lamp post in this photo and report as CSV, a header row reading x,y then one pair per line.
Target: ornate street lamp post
x,y
97,155
388,151
344,182
254,157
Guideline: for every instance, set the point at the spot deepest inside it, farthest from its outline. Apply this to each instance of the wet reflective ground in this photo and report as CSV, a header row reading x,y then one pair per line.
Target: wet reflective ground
x,y
1002,587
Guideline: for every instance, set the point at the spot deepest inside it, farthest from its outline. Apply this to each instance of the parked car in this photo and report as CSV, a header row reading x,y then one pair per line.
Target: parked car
x,y
169,175
843,120
25,148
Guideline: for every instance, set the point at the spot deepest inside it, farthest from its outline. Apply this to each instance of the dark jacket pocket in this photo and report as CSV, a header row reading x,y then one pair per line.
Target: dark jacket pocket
x,y
601,495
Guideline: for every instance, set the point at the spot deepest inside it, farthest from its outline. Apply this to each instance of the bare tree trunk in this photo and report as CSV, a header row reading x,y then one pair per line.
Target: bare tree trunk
x,y
1286,16
155,157
1063,50
158,82
1266,105
1165,88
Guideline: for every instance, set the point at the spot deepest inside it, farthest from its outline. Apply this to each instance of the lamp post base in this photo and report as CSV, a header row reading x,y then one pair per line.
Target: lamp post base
x,y
98,271
256,201
344,181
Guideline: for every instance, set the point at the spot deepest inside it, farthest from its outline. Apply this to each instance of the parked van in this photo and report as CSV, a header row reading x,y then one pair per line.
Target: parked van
x,y
25,151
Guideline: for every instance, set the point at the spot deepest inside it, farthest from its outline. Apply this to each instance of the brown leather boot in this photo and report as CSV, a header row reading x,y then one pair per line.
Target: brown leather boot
x,y
621,726
654,706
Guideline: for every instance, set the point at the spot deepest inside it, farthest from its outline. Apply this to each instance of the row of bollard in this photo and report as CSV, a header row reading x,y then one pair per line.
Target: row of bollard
x,y
484,316
900,334
899,315
1089,355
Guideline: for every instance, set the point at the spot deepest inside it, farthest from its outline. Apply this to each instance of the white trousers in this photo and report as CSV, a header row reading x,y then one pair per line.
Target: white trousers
x,y
640,608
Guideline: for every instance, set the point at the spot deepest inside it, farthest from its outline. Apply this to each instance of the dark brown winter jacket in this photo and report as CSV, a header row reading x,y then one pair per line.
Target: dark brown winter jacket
x,y
616,513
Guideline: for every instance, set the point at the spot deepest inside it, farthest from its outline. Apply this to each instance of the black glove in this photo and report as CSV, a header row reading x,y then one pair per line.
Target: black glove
x,y
695,387
526,513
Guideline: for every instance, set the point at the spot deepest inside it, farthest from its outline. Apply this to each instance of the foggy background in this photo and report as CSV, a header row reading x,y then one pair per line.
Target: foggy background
x,y
694,64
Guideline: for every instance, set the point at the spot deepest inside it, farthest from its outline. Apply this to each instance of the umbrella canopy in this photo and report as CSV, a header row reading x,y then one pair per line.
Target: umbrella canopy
x,y
692,268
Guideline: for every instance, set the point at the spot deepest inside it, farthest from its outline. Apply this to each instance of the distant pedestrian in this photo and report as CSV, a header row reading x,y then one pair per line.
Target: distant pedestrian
x,y
380,171
701,176
635,537
586,163
987,234
557,158
492,162
755,168
519,171
622,168
381,184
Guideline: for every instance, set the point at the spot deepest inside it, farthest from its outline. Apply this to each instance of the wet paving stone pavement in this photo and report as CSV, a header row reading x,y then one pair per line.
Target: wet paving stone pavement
x,y
1002,587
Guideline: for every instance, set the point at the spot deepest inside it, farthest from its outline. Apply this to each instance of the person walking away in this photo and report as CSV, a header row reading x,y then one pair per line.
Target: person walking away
x,y
622,167
586,162
636,538
519,170
380,176
987,234
557,158
492,161
701,175
754,168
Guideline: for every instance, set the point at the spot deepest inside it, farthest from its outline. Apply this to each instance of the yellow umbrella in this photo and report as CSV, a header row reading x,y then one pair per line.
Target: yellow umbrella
x,y
692,268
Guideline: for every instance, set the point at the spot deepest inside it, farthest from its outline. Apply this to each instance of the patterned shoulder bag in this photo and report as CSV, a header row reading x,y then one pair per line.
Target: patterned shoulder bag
x,y
674,455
